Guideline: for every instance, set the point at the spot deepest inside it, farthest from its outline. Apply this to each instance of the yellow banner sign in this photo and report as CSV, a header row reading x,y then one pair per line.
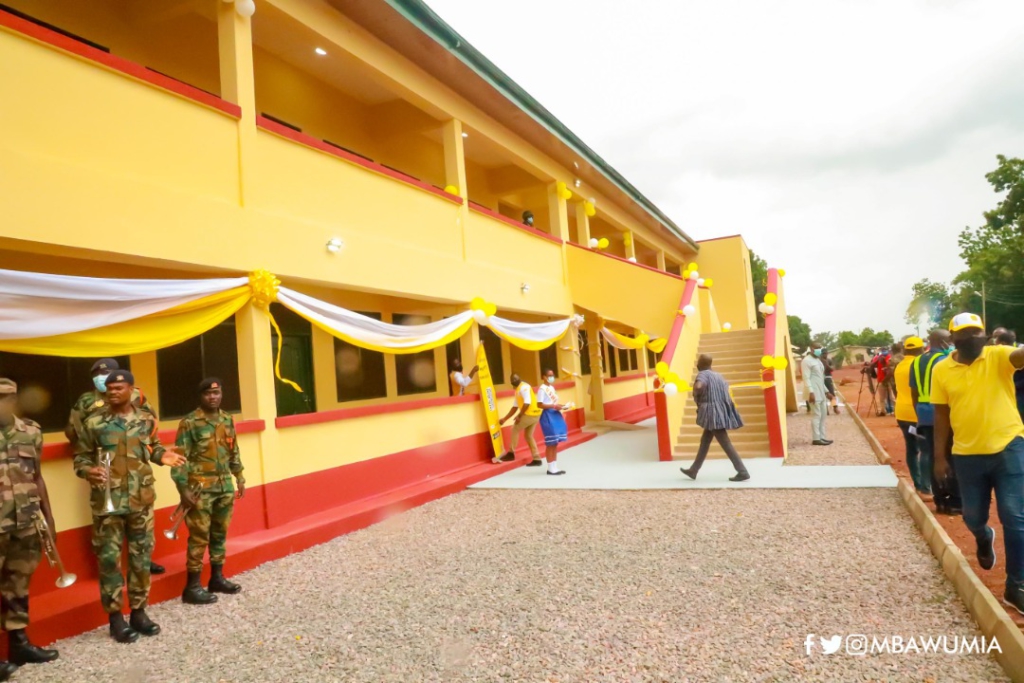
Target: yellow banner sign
x,y
489,399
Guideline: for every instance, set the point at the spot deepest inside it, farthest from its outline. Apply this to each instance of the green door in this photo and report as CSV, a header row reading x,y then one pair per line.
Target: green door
x,y
296,365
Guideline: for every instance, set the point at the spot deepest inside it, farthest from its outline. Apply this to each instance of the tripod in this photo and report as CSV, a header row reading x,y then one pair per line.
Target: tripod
x,y
861,391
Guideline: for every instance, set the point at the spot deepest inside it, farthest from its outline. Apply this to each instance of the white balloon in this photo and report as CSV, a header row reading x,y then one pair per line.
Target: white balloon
x,y
694,275
768,310
671,390
700,282
246,8
480,317
727,326
632,259
763,307
689,309
593,243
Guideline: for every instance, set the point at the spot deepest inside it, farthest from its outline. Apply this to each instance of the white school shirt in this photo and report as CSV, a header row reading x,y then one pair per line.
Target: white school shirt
x,y
462,381
546,394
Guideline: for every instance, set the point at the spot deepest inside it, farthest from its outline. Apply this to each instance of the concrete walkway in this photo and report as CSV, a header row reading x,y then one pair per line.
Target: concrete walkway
x,y
627,460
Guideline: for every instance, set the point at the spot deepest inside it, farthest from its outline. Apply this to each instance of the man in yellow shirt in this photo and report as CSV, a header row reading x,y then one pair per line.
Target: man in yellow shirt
x,y
973,395
526,421
906,417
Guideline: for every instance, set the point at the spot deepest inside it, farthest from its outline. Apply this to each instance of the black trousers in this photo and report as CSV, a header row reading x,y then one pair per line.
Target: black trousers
x,y
946,493
722,436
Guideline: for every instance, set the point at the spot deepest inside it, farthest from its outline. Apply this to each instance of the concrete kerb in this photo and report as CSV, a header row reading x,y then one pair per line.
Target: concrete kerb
x,y
880,453
992,619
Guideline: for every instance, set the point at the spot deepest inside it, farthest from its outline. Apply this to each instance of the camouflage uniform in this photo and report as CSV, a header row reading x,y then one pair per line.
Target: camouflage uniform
x,y
134,442
21,447
92,402
211,447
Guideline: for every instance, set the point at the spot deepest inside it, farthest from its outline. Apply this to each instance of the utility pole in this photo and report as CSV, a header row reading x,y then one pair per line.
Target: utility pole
x,y
984,318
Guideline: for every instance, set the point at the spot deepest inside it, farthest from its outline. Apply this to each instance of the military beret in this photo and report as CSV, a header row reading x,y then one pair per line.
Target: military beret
x,y
7,386
106,365
121,376
210,383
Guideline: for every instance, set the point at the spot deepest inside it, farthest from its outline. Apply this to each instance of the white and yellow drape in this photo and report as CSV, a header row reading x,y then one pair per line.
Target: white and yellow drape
x,y
621,341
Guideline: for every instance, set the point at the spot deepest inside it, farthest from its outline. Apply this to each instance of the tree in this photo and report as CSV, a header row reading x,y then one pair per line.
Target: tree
x,y
759,277
826,339
868,337
799,332
931,301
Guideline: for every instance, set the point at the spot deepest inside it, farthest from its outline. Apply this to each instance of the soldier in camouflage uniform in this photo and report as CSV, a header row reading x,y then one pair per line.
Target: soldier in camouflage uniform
x,y
129,435
91,401
23,499
207,439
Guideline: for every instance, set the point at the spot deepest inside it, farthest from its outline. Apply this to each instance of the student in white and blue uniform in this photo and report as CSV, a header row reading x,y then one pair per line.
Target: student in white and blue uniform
x,y
552,423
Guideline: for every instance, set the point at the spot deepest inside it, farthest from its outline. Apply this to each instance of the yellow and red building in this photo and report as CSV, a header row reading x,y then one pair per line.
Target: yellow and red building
x,y
365,154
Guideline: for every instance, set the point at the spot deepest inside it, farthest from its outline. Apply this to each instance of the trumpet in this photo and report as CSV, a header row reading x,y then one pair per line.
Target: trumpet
x,y
107,459
52,556
178,516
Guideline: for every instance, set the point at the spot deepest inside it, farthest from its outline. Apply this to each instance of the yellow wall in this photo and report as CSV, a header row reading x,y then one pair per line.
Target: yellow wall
x,y
727,262
614,391
682,364
709,315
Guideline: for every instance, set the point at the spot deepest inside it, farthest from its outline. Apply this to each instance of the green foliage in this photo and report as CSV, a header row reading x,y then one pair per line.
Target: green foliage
x,y
866,337
932,301
826,339
759,277
799,332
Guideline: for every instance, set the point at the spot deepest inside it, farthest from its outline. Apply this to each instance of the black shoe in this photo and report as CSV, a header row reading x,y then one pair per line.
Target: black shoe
x,y
986,551
141,622
7,670
194,593
818,443
218,584
535,463
155,568
556,474
1014,597
688,472
120,630
740,476
827,442
21,651
508,457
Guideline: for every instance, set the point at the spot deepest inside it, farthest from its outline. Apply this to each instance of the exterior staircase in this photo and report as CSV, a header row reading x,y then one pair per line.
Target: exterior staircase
x,y
737,357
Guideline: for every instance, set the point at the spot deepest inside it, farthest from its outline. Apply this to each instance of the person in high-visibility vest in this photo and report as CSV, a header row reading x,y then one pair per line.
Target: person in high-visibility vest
x,y
946,493
526,421
459,380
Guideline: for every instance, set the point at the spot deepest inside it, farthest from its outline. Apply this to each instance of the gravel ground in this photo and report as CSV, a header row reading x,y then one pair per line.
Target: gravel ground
x,y
850,447
570,586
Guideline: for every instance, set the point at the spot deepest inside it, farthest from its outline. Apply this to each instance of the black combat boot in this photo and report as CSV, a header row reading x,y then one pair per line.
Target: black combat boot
x,y
194,593
21,651
120,630
7,670
141,622
155,568
218,584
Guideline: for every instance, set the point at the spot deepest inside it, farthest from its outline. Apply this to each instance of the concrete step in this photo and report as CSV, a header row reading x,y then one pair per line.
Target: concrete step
x,y
716,453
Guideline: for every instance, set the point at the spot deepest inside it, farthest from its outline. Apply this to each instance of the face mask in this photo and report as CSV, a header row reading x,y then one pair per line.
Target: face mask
x,y
100,381
970,349
817,353
549,380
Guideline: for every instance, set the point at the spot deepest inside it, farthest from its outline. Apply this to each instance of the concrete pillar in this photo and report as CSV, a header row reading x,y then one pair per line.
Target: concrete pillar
x,y
238,82
630,243
582,225
258,391
468,345
661,260
595,406
455,173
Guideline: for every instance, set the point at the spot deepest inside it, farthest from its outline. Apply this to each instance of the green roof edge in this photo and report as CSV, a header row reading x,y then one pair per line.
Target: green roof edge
x,y
427,21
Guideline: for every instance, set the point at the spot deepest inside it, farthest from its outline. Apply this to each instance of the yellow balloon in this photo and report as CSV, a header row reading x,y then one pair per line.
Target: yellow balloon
x,y
560,187
781,363
770,298
686,275
708,282
683,386
477,304
567,195
767,362
782,272
451,189
671,378
692,266
603,243
490,309
591,212
661,368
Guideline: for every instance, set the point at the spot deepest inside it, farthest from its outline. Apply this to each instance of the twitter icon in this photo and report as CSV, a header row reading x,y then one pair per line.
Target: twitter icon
x,y
830,645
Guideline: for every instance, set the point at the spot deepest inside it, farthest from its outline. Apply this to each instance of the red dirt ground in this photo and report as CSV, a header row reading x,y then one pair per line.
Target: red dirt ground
x,y
888,434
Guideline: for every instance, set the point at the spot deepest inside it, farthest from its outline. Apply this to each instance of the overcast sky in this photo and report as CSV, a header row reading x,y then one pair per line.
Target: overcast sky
x,y
846,140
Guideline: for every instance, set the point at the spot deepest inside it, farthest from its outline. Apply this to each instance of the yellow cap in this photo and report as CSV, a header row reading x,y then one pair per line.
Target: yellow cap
x,y
913,343
964,320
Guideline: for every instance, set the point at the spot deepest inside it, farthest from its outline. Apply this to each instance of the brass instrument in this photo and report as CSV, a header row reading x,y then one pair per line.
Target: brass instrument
x,y
52,556
178,516
107,460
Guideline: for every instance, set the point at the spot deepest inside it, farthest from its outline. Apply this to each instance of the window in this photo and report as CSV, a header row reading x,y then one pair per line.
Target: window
x,y
359,372
492,347
182,367
415,372
296,362
49,385
627,360
584,353
549,360
608,359
652,359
